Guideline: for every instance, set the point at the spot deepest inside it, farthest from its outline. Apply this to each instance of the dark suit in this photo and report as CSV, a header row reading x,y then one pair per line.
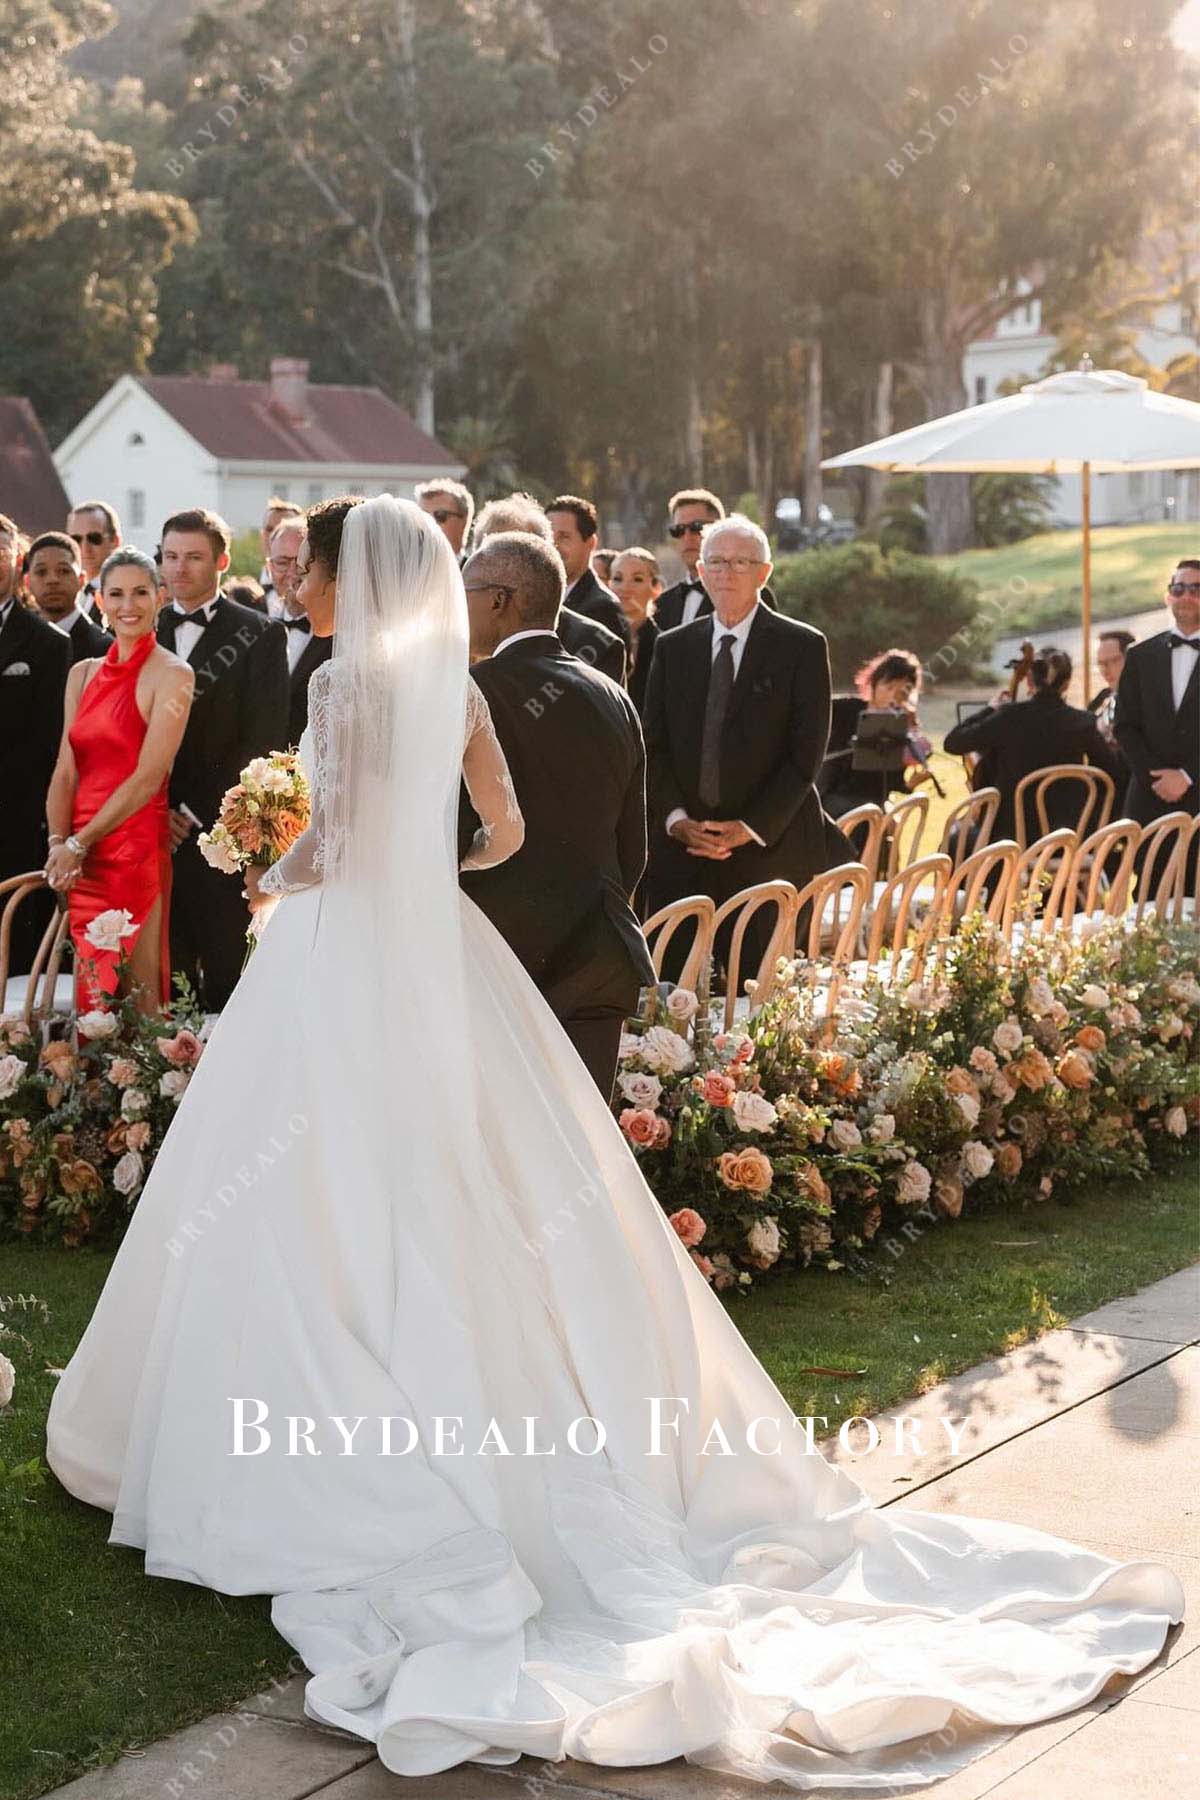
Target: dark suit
x,y
86,639
1151,733
592,643
1027,735
590,597
240,711
34,659
772,746
648,634
89,600
315,652
574,747
668,608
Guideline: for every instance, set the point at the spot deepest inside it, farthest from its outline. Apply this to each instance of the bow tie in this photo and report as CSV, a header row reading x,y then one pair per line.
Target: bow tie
x,y
202,615
1175,640
300,624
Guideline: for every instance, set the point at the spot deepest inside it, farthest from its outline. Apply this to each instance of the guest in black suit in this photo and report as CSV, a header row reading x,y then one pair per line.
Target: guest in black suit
x,y
1033,734
306,651
576,530
240,711
54,577
690,510
1111,650
34,659
737,719
637,585
96,529
452,506
1157,722
574,747
591,642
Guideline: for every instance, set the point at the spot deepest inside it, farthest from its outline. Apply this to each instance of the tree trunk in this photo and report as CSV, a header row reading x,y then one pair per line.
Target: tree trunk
x,y
813,489
881,426
422,209
947,497
693,428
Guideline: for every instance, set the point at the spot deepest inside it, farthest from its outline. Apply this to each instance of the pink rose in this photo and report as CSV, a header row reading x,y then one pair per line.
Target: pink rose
x,y
640,1126
703,1264
718,1090
137,1135
689,1226
182,1050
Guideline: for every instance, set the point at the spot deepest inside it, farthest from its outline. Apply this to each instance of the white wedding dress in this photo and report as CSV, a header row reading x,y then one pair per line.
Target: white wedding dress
x,y
392,1189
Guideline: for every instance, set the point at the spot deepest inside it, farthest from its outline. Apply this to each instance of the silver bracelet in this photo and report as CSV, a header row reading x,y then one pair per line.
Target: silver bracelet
x,y
75,847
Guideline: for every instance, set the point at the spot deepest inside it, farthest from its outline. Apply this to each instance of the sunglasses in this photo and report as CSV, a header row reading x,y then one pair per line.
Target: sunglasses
x,y
94,538
1180,588
695,526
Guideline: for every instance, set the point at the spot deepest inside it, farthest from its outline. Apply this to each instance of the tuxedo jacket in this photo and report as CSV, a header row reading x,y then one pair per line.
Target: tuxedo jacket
x,y
574,748
1151,733
772,747
590,597
315,652
86,638
645,638
592,643
668,608
240,707
34,659
1027,735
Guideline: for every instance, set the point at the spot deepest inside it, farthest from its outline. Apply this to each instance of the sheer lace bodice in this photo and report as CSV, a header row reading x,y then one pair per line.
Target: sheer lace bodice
x,y
485,770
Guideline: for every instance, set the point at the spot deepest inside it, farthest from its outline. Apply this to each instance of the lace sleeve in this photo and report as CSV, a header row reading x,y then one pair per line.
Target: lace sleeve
x,y
502,830
302,865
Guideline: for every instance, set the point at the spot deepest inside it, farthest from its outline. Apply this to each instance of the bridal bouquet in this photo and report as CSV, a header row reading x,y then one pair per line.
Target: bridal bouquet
x,y
261,816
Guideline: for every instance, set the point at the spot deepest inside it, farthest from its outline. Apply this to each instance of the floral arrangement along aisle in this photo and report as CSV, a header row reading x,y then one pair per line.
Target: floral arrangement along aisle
x,y
1002,1076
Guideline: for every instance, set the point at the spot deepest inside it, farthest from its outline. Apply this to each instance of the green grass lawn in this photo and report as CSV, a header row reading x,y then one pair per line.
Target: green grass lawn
x,y
1130,565
101,1659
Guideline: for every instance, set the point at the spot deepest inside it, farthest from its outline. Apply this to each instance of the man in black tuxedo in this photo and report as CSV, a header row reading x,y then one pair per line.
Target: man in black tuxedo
x,y
587,639
54,576
575,526
737,721
34,659
690,510
452,507
95,528
240,711
305,651
574,748
1157,723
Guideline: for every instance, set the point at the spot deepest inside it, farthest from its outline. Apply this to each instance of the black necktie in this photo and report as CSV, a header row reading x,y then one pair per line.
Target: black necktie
x,y
1175,640
720,686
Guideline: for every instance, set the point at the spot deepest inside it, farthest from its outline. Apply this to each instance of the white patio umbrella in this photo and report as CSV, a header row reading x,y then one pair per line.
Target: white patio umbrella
x,y
1083,422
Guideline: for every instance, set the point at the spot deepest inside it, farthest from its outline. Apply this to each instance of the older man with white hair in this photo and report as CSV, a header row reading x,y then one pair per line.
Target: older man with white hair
x,y
736,723
587,639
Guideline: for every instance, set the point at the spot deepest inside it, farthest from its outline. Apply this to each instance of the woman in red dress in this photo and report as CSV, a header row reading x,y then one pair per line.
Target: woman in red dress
x,y
124,717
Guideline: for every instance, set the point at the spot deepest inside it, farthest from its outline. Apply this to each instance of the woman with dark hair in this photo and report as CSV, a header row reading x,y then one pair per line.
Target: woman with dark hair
x,y
1033,734
889,682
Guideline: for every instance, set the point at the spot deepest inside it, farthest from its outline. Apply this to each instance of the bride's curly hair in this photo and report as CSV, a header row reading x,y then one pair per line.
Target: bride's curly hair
x,y
324,523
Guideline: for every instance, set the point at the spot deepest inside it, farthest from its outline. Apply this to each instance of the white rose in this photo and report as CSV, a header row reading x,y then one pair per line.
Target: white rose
x,y
8,1380
982,1060
108,928
914,1186
882,1130
254,772
127,1176
217,849
630,1046
977,1160
98,1024
845,1135
1093,997
171,1085
134,1102
682,1005
1040,997
1008,1036
752,1112
640,1090
664,1050
12,1069
275,781
763,1239
1175,1121
968,1106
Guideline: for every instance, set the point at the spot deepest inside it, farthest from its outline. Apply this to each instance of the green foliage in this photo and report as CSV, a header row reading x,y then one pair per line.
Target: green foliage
x,y
865,599
1008,507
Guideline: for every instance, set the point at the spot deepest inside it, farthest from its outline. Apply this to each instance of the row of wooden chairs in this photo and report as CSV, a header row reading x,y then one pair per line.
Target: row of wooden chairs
x,y
34,996
845,922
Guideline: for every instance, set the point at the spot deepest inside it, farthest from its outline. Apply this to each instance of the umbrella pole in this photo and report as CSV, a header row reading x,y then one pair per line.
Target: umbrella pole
x,y
1085,487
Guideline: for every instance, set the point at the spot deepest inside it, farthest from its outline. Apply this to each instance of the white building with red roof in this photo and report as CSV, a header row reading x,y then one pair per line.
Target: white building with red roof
x,y
155,444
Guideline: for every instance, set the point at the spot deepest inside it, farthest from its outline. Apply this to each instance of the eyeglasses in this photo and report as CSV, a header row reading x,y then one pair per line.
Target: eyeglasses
x,y
442,513
715,565
490,587
694,526
1180,588
94,538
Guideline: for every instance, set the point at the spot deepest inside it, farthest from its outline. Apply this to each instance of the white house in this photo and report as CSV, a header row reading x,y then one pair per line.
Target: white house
x,y
156,444
1017,349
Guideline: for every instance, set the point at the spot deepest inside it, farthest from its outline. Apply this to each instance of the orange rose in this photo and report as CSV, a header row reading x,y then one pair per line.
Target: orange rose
x,y
948,1196
1031,1070
79,1177
1090,1037
717,1089
959,1081
59,1059
1009,1160
1075,1069
814,1184
748,1169
115,1140
841,1074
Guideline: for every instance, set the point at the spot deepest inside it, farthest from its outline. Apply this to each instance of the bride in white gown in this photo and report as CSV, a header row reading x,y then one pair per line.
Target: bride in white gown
x,y
393,1192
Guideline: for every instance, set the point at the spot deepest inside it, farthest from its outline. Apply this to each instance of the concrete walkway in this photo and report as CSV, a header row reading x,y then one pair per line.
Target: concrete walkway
x,y
1091,1433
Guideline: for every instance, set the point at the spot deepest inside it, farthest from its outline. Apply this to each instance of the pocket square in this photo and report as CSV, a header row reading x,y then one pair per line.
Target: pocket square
x,y
16,669
765,685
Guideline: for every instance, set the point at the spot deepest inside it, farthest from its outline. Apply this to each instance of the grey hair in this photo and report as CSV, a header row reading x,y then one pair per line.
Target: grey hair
x,y
736,522
125,555
517,512
456,491
536,572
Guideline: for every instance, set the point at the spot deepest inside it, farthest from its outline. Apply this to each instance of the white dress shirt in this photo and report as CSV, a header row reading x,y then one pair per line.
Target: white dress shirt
x,y
692,602
516,636
191,624
6,607
739,633
1183,666
297,641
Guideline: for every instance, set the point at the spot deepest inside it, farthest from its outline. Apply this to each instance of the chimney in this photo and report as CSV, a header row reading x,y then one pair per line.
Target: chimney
x,y
223,372
289,386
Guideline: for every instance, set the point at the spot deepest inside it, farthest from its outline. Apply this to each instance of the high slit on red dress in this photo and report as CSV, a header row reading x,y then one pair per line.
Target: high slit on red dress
x,y
130,868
